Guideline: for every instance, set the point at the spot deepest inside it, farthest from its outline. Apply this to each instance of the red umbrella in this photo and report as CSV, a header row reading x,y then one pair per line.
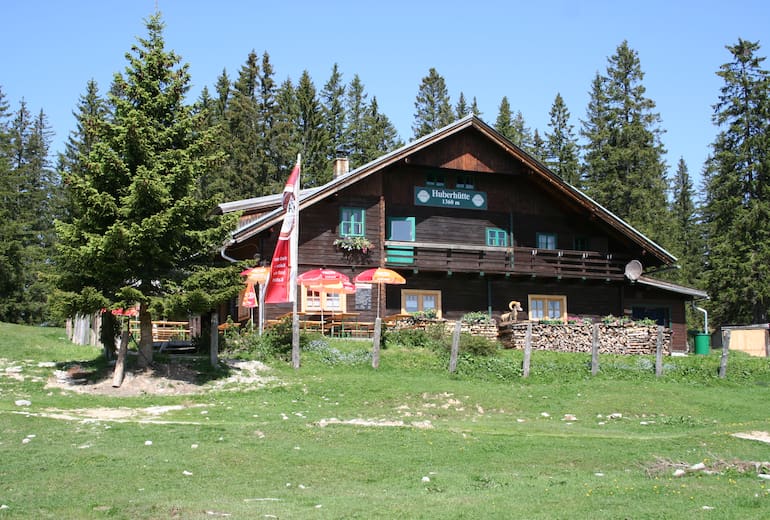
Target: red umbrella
x,y
323,280
321,277
380,275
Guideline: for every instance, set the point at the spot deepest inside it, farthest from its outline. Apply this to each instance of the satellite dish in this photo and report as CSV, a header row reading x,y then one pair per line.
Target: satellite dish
x,y
634,270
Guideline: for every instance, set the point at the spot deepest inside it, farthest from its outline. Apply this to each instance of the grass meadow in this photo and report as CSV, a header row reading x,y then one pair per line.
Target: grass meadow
x,y
337,439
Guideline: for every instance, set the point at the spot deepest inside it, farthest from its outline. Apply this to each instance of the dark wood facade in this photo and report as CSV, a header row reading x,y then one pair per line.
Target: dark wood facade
x,y
481,255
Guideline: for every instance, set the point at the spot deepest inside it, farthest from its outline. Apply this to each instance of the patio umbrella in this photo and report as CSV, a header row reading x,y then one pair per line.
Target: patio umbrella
x,y
380,275
256,275
323,280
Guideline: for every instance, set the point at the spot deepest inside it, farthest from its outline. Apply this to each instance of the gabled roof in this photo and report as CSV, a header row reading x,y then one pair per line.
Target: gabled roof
x,y
672,287
310,197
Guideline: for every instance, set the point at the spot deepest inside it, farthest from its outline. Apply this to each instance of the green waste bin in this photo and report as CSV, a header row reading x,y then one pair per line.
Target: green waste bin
x,y
702,344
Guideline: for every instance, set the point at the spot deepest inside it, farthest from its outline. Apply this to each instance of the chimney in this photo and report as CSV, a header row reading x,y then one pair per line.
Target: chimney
x,y
341,164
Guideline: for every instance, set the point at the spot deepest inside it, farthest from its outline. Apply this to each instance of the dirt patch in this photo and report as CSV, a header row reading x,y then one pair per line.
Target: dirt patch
x,y
754,436
148,415
174,378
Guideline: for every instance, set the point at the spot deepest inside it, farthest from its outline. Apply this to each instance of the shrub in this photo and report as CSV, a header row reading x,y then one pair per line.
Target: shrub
x,y
476,317
478,345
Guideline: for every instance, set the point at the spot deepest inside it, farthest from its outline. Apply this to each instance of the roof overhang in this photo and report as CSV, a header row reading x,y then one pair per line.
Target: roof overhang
x,y
672,287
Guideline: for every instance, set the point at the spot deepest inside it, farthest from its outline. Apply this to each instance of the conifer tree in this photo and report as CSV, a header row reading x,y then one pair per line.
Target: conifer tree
x,y
268,114
244,177
522,136
316,168
356,107
504,121
624,169
686,234
332,99
461,109
140,227
432,106
537,150
287,130
380,136
561,148
475,108
29,194
737,208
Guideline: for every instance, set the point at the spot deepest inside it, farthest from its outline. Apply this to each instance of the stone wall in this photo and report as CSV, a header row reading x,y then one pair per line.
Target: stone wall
x,y
613,339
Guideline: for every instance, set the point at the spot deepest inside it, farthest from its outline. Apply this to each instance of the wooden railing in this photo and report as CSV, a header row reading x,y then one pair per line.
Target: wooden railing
x,y
433,256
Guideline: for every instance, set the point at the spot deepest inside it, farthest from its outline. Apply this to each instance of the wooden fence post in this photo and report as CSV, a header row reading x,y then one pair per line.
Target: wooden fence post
x,y
376,342
595,350
455,347
725,349
527,351
659,353
214,339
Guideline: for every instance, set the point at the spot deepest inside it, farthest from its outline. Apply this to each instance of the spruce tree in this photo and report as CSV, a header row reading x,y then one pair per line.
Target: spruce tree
x,y
737,208
356,107
432,106
561,148
461,109
504,121
333,99
686,234
625,170
522,135
537,149
11,257
140,228
244,177
380,136
475,108
268,114
287,131
316,167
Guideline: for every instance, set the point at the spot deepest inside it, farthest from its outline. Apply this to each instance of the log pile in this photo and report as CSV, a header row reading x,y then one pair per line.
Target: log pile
x,y
613,339
488,330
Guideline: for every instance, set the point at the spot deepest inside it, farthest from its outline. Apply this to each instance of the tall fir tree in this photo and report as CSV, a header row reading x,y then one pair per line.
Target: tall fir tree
x,y
737,179
475,108
29,191
624,169
356,106
686,231
316,167
537,149
522,135
333,103
287,130
561,147
504,121
432,106
244,177
461,109
141,230
268,115
380,136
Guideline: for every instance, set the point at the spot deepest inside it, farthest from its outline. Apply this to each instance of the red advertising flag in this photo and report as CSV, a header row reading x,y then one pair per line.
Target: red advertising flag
x,y
249,300
281,284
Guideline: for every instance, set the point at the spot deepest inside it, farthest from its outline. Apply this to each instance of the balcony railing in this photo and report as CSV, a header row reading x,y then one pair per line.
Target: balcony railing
x,y
432,256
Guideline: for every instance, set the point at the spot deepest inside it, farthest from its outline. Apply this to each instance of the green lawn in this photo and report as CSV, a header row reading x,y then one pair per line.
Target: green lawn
x,y
336,439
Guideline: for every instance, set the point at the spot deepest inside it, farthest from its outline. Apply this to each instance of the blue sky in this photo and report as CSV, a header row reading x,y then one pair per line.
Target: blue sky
x,y
527,51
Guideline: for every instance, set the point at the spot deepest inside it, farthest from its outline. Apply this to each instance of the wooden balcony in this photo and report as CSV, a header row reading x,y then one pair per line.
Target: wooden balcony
x,y
503,260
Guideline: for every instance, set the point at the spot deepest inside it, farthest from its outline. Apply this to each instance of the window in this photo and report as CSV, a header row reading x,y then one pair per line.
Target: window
x,y
465,182
352,222
413,300
435,179
400,229
546,240
659,314
497,237
581,244
547,307
315,301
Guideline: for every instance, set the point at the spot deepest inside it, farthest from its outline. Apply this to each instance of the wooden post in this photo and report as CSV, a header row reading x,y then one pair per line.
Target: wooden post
x,y
725,349
214,339
527,351
659,353
120,363
455,347
595,350
376,342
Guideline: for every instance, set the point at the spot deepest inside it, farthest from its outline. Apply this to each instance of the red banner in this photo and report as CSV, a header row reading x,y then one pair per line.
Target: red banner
x,y
281,285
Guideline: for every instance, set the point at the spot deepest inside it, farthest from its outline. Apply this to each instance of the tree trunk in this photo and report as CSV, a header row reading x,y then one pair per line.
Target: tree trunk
x,y
145,336
120,364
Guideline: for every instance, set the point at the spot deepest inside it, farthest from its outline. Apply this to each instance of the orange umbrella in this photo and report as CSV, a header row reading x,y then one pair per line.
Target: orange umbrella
x,y
259,276
380,275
